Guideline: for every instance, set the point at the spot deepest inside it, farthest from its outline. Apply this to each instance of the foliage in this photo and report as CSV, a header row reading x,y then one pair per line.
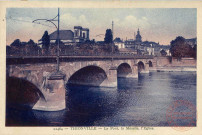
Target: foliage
x,y
90,41
22,48
31,42
31,47
8,49
45,40
195,51
16,47
108,36
16,43
179,48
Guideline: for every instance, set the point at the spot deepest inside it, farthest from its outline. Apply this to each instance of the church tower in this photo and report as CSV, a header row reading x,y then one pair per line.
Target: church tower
x,y
138,36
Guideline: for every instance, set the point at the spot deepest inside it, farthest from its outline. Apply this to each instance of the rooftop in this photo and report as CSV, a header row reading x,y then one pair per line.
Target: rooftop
x,y
64,35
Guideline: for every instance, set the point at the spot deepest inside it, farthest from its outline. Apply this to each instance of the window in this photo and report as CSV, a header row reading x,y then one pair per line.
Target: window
x,y
76,33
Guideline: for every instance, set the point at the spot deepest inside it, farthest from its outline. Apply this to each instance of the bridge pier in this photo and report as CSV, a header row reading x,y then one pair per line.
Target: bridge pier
x,y
134,73
145,68
54,92
111,80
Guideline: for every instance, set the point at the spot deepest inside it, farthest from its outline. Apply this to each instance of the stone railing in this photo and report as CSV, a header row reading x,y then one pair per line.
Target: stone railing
x,y
82,55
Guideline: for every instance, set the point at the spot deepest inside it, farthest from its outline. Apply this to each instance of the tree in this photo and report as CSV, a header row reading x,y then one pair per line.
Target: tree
x,y
61,48
163,52
108,36
31,48
8,50
31,42
16,47
179,48
195,51
45,40
93,41
16,43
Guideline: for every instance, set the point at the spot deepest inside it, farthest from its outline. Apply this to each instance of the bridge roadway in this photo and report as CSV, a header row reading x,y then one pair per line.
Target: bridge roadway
x,y
87,56
92,70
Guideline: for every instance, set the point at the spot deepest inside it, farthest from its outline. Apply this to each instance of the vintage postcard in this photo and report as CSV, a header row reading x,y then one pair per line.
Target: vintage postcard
x,y
84,67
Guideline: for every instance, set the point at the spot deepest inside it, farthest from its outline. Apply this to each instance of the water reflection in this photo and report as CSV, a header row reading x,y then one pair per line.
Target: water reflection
x,y
135,102
87,104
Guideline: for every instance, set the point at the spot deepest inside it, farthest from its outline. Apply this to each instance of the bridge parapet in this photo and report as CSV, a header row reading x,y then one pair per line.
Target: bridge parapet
x,y
107,55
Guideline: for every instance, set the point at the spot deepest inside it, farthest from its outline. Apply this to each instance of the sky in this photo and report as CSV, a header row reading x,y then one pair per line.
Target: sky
x,y
156,24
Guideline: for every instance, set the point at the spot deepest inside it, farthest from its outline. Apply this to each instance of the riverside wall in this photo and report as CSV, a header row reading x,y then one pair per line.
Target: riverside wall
x,y
174,62
170,64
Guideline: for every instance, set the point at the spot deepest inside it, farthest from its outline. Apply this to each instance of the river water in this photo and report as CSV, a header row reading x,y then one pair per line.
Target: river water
x,y
136,102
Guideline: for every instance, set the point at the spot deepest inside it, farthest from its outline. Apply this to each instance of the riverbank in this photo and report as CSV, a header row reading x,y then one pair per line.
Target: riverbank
x,y
173,69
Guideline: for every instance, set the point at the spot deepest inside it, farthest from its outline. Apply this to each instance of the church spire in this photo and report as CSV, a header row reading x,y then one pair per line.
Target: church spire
x,y
138,36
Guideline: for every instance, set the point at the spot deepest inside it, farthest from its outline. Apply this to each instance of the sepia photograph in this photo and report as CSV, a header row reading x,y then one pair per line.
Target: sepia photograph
x,y
101,67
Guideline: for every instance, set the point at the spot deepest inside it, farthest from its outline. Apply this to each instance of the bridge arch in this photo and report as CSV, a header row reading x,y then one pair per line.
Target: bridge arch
x,y
141,66
91,75
22,91
123,70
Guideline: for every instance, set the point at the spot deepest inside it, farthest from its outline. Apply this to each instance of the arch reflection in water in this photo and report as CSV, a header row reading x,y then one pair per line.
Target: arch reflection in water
x,y
87,104
55,118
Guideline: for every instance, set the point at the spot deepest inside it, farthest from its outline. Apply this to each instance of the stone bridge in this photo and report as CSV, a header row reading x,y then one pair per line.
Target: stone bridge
x,y
92,71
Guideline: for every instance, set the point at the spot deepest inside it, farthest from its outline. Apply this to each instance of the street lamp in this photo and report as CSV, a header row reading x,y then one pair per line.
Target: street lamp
x,y
58,33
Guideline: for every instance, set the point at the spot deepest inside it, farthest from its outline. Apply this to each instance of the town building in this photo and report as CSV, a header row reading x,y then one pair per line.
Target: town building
x,y
127,51
80,34
118,42
192,42
145,47
139,46
130,43
138,38
68,37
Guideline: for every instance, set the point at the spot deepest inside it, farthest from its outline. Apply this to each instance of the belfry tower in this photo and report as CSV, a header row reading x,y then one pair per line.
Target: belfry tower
x,y
138,36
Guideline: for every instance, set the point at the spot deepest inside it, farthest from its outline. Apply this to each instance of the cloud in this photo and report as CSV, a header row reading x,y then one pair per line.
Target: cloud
x,y
122,27
22,28
133,22
129,25
154,24
96,26
68,21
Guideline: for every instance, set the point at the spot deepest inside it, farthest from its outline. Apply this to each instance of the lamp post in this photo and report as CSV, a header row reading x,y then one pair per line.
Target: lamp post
x,y
58,35
112,44
58,38
112,38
